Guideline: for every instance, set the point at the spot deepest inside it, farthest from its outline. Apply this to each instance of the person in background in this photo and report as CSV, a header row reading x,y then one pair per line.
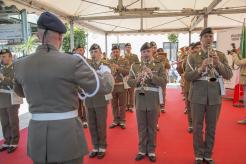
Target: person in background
x,y
205,70
80,49
242,64
154,49
8,112
162,56
132,58
194,48
120,69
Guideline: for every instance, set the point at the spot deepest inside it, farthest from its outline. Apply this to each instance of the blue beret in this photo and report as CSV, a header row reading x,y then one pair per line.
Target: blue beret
x,y
49,21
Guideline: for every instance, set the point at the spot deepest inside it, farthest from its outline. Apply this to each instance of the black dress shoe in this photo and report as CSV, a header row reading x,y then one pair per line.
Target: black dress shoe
x,y
139,157
93,154
190,130
152,158
209,161
198,161
3,148
113,125
100,155
123,126
11,149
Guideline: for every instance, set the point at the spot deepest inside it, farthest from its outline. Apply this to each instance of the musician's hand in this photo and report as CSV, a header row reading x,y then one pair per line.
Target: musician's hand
x,y
216,59
116,66
204,64
139,78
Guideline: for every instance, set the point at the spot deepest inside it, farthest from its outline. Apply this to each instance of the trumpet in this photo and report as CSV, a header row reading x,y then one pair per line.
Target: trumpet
x,y
211,65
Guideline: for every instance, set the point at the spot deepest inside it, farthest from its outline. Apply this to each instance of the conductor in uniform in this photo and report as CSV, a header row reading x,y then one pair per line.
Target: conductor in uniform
x,y
120,69
8,112
50,80
132,58
205,71
97,107
147,77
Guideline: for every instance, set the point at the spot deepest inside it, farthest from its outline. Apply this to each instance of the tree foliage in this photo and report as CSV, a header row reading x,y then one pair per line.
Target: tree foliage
x,y
79,39
173,38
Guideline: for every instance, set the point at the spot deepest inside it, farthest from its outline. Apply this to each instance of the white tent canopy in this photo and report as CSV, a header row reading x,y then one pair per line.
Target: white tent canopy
x,y
134,16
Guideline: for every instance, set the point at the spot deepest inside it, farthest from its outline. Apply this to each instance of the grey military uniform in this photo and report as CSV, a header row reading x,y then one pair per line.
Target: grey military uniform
x,y
8,112
49,80
147,106
205,99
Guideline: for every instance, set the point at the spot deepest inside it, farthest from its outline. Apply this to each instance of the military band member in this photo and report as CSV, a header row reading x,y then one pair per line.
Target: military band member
x,y
8,112
120,68
80,49
162,57
97,108
242,64
50,80
194,49
205,71
146,77
132,58
154,50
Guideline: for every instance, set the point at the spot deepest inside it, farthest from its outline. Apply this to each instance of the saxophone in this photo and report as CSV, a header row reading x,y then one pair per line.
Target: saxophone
x,y
143,80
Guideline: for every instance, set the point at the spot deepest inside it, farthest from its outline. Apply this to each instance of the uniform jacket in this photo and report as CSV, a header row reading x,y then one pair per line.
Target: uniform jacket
x,y
201,91
151,99
99,99
120,73
6,84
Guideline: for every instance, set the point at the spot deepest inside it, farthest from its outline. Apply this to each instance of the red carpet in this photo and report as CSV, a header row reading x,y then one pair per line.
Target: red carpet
x,y
174,143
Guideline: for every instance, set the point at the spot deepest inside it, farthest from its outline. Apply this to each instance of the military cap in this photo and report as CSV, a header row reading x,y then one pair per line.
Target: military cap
x,y
207,30
115,47
145,46
49,21
4,51
162,54
152,43
195,44
94,47
128,44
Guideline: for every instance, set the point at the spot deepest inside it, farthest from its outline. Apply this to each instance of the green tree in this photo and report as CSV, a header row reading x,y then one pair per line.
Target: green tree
x,y
173,38
79,39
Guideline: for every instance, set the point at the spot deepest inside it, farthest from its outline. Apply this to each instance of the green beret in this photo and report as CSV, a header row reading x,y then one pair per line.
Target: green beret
x,y
115,47
4,51
152,43
207,30
128,44
94,47
145,46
